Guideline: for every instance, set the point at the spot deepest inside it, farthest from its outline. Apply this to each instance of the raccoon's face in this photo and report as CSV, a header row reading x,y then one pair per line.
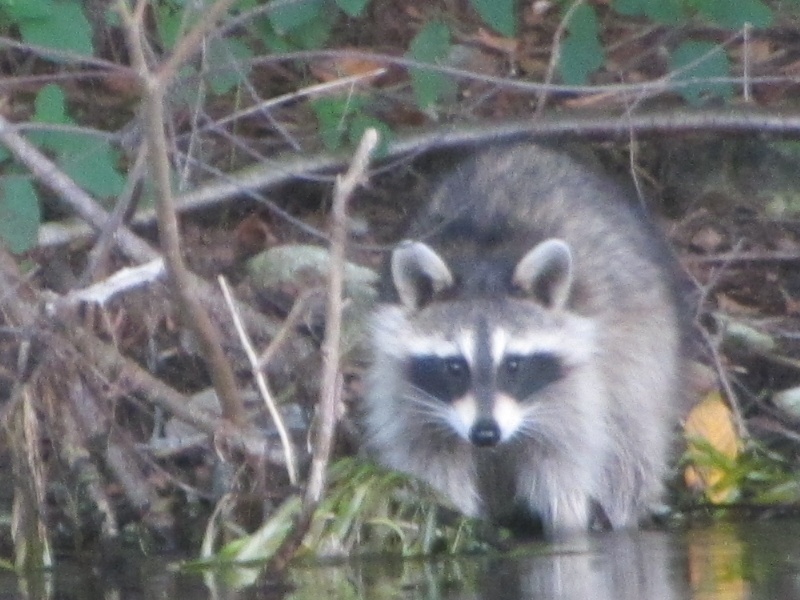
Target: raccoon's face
x,y
489,369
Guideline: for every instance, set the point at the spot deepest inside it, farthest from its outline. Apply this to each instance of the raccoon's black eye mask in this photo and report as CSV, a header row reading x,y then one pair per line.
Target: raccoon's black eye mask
x,y
521,375
518,375
446,378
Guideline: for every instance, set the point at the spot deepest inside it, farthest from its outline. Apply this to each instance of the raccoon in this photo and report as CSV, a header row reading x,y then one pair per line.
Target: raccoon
x,y
528,346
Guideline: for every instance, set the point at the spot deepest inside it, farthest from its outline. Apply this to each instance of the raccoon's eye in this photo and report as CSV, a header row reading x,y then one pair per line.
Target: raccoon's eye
x,y
456,367
523,375
445,378
511,364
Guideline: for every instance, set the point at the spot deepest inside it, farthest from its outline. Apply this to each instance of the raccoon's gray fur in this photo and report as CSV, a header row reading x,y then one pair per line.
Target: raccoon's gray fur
x,y
528,347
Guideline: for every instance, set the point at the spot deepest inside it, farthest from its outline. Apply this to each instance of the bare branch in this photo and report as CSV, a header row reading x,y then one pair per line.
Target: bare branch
x,y
263,387
191,42
331,378
192,312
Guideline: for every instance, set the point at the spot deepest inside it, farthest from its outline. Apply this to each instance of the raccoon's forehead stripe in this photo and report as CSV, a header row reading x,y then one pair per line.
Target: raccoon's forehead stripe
x,y
499,344
462,344
575,344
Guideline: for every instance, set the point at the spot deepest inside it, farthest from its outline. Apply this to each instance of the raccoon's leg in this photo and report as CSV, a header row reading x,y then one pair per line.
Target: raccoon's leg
x,y
567,511
456,484
633,488
561,498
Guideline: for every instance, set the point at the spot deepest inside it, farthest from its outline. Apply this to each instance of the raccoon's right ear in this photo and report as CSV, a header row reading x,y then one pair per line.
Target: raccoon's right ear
x,y
546,272
418,273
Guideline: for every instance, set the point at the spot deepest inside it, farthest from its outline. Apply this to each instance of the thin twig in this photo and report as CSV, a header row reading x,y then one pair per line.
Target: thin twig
x,y
292,319
193,40
747,92
331,379
105,242
309,91
730,394
647,88
185,176
261,382
555,55
733,257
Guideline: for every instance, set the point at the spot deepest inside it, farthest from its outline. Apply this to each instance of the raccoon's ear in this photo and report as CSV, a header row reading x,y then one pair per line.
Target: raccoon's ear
x,y
546,272
418,273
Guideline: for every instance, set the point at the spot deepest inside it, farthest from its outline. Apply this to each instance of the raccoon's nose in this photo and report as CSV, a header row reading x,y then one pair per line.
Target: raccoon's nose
x,y
485,433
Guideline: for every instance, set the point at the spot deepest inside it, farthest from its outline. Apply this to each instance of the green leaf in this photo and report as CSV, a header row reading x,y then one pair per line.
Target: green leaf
x,y
87,160
264,542
316,33
669,12
92,164
50,106
430,45
735,13
352,8
276,43
581,51
23,10
500,15
65,28
169,22
305,24
290,16
329,117
332,116
222,54
711,62
19,213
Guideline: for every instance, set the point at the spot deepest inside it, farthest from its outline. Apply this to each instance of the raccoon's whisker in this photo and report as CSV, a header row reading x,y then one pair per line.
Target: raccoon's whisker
x,y
539,432
424,404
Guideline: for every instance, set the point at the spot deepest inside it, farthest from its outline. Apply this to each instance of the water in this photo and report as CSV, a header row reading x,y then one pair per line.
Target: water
x,y
731,562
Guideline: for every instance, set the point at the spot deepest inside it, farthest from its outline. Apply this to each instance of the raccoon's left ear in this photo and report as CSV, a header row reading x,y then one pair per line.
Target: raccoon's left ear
x,y
546,272
418,273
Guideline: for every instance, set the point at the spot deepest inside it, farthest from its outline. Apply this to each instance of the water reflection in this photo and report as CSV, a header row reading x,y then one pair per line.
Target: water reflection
x,y
721,562
619,566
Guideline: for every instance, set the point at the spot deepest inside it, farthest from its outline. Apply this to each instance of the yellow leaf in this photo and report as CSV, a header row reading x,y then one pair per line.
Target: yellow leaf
x,y
712,422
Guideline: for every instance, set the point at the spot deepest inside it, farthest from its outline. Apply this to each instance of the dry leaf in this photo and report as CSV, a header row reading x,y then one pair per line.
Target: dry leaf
x,y
346,66
496,42
712,421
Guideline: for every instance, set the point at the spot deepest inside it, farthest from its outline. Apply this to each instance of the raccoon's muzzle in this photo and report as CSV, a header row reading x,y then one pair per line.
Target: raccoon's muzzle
x,y
485,433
